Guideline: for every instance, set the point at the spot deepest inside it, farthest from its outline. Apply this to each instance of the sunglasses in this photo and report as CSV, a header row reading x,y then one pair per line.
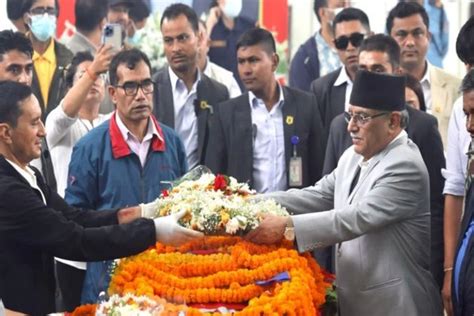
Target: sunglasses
x,y
355,39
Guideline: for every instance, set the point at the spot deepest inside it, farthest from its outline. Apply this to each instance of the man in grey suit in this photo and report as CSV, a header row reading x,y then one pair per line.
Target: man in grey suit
x,y
184,97
374,206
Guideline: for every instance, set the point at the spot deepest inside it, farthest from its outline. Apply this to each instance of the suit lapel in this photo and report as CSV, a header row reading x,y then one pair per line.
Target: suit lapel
x,y
338,99
289,122
203,110
165,105
244,133
439,95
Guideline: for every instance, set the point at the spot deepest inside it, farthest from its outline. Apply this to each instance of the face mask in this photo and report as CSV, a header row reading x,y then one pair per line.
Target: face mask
x,y
135,39
232,8
43,26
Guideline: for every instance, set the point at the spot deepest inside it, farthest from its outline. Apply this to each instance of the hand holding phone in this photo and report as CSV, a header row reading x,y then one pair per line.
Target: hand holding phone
x,y
112,35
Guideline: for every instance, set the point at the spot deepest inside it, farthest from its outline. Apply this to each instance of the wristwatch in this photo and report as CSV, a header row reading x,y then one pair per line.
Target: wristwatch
x,y
289,233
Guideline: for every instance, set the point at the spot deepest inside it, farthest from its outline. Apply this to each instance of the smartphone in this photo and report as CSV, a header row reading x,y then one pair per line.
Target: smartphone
x,y
112,35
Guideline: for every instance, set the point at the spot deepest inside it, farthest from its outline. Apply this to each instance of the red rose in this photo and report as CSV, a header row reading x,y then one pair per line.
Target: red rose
x,y
220,183
165,193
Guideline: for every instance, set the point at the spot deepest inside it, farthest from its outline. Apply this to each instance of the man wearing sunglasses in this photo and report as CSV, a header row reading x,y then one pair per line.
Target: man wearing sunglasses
x,y
381,53
332,91
126,160
317,56
408,24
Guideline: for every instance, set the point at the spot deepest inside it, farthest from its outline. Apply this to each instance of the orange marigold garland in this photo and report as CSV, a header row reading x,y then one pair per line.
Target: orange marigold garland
x,y
224,270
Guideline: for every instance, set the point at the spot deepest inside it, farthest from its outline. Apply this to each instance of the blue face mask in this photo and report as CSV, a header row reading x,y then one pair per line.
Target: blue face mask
x,y
136,38
43,26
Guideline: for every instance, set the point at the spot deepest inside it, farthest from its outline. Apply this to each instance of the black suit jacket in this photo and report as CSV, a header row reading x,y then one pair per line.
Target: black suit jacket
x,y
230,149
330,99
32,233
422,129
208,91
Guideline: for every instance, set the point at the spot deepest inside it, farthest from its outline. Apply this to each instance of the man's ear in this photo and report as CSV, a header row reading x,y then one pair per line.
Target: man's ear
x,y
275,61
113,94
5,133
395,119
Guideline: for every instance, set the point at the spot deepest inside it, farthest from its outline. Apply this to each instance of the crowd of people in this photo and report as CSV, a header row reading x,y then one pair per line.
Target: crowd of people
x,y
368,147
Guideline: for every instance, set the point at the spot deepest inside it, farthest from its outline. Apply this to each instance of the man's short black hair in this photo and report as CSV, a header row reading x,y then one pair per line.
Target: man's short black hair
x,y
465,42
27,4
15,9
139,11
415,85
78,59
467,83
12,93
383,43
404,10
257,36
129,57
318,4
10,40
89,14
352,14
175,10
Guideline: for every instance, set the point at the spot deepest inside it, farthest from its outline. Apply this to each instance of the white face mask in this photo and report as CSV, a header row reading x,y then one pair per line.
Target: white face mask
x,y
232,8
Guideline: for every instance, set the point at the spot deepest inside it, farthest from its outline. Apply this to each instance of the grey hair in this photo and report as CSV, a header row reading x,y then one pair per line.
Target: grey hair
x,y
405,118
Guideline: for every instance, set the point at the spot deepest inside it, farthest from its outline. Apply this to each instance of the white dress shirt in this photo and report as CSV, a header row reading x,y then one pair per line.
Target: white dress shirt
x,y
426,86
224,76
62,133
457,147
341,79
269,164
185,119
139,148
29,176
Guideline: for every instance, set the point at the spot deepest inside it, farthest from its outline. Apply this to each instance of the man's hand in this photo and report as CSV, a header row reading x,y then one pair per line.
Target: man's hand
x,y
169,232
129,214
102,59
446,293
270,231
149,210
214,16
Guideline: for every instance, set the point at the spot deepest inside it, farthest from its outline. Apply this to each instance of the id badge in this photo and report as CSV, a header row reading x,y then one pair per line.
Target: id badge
x,y
296,172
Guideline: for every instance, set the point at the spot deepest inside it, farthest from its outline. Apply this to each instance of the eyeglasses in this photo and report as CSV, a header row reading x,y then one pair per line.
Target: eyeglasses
x,y
355,39
361,119
131,88
43,10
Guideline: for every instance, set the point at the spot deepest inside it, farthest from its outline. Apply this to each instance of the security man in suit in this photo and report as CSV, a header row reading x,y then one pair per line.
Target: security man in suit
x,y
270,136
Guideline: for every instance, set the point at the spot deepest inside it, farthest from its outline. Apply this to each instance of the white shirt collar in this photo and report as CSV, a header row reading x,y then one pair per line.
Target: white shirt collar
x,y
175,80
126,134
253,97
426,76
29,175
342,78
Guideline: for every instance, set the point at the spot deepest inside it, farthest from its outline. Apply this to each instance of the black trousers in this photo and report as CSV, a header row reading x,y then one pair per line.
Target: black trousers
x,y
70,280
